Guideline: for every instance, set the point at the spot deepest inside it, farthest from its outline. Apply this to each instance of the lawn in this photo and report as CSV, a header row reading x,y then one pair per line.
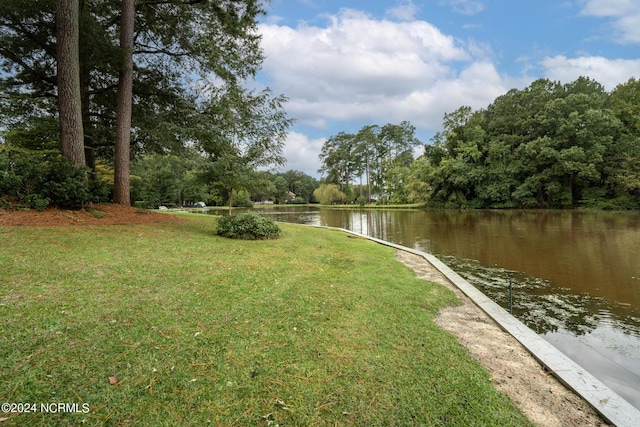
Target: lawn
x,y
171,325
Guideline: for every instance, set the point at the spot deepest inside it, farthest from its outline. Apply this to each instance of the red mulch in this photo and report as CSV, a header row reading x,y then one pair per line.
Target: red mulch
x,y
102,214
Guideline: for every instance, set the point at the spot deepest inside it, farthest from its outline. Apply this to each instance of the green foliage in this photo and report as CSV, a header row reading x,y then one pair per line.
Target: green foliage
x,y
64,183
301,184
169,178
546,146
37,202
223,47
329,194
276,187
245,130
240,129
248,226
242,199
37,179
370,153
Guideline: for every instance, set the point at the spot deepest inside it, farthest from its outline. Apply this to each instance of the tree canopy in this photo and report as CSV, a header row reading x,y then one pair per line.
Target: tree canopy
x,y
375,153
548,145
179,53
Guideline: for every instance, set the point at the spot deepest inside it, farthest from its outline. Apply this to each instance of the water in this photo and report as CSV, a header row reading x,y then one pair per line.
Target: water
x,y
576,275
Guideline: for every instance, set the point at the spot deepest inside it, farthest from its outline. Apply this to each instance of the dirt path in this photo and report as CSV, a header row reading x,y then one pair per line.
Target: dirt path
x,y
539,395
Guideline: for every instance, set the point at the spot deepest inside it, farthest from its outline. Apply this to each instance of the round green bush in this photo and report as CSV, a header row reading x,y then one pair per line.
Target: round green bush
x,y
248,226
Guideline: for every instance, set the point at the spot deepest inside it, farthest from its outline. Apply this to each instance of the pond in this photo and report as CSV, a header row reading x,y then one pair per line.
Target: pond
x,y
575,275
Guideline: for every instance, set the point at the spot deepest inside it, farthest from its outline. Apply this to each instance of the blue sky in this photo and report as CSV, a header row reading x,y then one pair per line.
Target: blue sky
x,y
347,64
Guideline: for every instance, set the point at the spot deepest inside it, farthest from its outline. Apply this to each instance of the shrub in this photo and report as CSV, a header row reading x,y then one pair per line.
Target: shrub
x,y
35,201
143,204
5,204
248,226
64,183
36,178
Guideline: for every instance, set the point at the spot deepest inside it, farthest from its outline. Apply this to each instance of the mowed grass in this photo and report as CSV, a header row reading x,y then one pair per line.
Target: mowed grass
x,y
312,329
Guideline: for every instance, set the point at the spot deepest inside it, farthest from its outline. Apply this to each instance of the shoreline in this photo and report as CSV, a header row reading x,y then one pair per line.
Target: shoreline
x,y
601,407
514,371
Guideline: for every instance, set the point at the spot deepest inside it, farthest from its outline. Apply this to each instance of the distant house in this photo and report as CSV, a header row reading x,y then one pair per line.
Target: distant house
x,y
379,196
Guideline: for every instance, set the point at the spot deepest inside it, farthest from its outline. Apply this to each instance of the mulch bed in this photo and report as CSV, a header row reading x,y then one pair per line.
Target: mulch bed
x,y
100,214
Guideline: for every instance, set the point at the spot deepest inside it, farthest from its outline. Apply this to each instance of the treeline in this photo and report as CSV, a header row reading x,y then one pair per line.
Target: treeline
x,y
377,157
171,180
546,146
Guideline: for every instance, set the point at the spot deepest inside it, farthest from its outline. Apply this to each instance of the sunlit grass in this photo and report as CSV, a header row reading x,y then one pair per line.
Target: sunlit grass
x,y
314,328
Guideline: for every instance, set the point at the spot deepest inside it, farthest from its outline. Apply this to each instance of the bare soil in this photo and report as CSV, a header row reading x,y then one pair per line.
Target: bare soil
x,y
514,371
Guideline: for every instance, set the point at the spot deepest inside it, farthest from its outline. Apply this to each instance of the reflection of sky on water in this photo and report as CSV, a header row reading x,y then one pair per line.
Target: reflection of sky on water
x,y
612,356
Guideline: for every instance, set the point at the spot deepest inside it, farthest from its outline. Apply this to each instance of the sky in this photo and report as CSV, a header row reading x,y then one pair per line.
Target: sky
x,y
351,63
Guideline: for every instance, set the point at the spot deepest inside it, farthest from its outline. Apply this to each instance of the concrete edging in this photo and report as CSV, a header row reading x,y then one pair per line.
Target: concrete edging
x,y
609,404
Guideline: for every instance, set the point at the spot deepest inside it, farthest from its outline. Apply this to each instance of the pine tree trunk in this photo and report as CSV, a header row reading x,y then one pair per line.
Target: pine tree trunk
x,y
89,142
121,193
68,68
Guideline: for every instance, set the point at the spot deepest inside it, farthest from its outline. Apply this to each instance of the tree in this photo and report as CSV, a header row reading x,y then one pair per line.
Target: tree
x,y
370,152
121,194
338,160
367,139
301,184
246,131
329,194
179,47
68,80
282,189
622,159
169,178
548,145
263,187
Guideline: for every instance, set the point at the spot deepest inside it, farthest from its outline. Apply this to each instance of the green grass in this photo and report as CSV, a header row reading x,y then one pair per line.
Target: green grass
x,y
314,328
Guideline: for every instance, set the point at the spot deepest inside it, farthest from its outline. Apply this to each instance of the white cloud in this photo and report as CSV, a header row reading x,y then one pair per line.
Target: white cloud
x,y
608,72
302,153
465,7
625,15
405,11
378,71
358,70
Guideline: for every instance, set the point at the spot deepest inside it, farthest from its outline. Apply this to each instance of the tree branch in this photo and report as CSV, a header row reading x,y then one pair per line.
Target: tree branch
x,y
16,59
150,50
154,2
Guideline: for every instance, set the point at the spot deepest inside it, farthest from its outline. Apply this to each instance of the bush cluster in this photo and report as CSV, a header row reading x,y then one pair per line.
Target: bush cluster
x,y
39,179
248,226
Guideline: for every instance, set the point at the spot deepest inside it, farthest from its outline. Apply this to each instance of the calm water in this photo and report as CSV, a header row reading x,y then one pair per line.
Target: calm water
x,y
575,275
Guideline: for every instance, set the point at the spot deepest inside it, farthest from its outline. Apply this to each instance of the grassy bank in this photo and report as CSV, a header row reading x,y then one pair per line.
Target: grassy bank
x,y
312,329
